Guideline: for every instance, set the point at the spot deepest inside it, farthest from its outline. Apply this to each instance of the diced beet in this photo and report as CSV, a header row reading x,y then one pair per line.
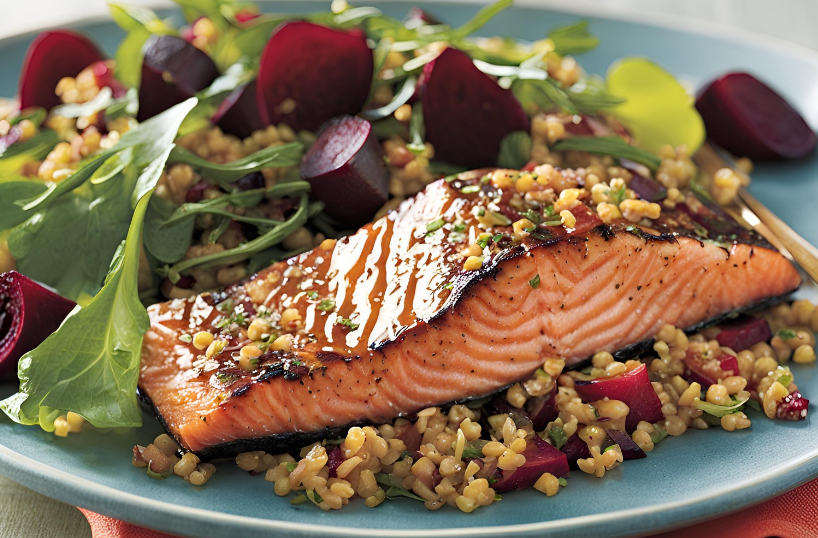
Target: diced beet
x,y
466,113
310,73
28,314
575,449
633,388
196,192
246,15
409,434
50,57
346,170
172,71
11,137
238,114
254,180
707,372
589,126
543,409
630,450
744,332
647,188
540,457
334,458
748,118
792,407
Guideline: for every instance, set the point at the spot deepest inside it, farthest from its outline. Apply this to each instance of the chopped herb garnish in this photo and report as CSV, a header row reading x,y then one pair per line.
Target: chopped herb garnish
x,y
533,216
557,436
658,434
609,145
225,378
294,362
186,338
498,497
787,334
535,282
497,238
609,448
500,219
483,241
313,496
313,295
435,225
474,449
719,410
298,499
563,482
225,307
459,228
326,305
448,286
348,322
470,189
396,488
290,466
549,211
785,379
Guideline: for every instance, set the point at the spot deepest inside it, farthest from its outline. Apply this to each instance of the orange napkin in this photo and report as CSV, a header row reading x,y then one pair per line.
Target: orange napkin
x,y
792,515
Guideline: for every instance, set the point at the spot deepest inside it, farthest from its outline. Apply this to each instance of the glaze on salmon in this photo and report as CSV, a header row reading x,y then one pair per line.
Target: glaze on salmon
x,y
391,323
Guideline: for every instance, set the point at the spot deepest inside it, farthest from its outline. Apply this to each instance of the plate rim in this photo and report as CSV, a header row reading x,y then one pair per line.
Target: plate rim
x,y
179,519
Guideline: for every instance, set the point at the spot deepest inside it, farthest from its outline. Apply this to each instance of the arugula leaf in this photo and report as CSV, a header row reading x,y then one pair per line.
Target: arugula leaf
x,y
557,436
405,93
515,150
396,488
168,244
91,364
719,410
573,39
658,434
787,334
224,174
417,130
590,95
609,145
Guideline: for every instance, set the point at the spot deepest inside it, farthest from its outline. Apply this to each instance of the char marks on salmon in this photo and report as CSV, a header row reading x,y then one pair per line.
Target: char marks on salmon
x,y
390,322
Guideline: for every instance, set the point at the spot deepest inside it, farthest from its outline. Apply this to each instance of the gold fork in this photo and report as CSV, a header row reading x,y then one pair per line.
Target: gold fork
x,y
749,210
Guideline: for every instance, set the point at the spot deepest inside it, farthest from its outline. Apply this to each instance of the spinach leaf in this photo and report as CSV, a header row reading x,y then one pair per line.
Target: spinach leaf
x,y
91,364
515,150
33,149
12,214
224,174
609,145
168,244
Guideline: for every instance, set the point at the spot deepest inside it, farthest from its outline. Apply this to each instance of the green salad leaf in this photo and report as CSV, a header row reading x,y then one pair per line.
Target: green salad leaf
x,y
657,109
573,39
139,23
33,149
224,174
91,364
515,150
12,214
609,145
719,410
168,244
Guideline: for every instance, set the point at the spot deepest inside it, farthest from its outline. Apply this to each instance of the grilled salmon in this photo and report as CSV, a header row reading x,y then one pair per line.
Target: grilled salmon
x,y
388,321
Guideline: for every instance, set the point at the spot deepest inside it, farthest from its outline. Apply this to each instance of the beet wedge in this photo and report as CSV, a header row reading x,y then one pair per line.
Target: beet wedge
x,y
346,169
465,112
50,57
28,314
633,388
172,71
748,118
540,457
238,114
310,74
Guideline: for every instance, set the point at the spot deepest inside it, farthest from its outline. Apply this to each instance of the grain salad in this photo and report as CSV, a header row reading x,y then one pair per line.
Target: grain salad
x,y
369,258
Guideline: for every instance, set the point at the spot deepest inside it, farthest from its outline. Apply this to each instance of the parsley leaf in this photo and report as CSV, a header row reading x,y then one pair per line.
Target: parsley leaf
x,y
326,305
557,436
535,282
434,225
348,322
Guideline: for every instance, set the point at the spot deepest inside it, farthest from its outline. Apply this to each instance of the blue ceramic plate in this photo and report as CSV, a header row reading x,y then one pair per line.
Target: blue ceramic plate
x,y
700,475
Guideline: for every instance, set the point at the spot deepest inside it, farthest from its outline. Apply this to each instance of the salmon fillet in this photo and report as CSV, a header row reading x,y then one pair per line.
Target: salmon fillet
x,y
391,323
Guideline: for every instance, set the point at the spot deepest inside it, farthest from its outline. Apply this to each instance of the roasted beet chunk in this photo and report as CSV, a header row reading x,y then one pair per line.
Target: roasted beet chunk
x,y
172,71
746,117
630,450
744,332
633,388
310,74
50,57
540,457
465,112
707,372
28,314
346,169
238,114
792,407
575,449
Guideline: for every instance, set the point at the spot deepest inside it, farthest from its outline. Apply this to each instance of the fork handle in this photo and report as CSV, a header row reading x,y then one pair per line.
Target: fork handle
x,y
802,251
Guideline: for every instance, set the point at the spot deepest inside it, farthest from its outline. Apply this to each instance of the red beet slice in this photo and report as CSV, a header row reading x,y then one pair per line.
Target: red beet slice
x,y
744,332
321,73
746,117
542,410
630,450
540,457
28,314
346,169
238,114
633,388
172,71
334,458
575,449
792,407
647,188
465,112
409,434
708,372
51,56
